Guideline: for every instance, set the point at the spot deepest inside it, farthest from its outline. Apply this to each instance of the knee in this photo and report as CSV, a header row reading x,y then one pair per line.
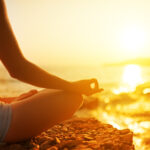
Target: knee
x,y
77,99
74,102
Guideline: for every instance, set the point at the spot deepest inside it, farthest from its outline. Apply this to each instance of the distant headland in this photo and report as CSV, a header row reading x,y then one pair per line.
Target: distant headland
x,y
136,61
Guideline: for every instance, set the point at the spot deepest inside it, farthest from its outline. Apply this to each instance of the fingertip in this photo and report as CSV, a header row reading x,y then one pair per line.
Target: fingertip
x,y
93,80
34,91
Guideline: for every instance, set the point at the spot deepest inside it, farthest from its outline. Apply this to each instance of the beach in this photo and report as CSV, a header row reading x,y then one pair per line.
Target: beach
x,y
119,105
78,134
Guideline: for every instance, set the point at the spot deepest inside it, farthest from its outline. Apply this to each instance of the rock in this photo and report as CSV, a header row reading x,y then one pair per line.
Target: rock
x,y
45,145
52,148
87,137
57,140
78,134
125,131
127,138
64,129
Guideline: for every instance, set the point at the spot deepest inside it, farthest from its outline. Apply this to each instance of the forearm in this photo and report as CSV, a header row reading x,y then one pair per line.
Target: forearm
x,y
23,70
15,62
34,75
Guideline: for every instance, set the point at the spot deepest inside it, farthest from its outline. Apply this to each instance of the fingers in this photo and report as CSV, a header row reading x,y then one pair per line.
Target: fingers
x,y
94,87
87,87
28,94
95,82
97,90
33,91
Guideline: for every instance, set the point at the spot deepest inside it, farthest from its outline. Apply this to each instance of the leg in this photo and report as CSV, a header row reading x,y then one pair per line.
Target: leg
x,y
39,112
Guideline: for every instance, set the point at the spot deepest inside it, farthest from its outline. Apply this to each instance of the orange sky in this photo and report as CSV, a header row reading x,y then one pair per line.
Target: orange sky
x,y
81,31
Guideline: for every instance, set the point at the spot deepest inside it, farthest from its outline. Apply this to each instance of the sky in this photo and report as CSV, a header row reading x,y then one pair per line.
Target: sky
x,y
84,32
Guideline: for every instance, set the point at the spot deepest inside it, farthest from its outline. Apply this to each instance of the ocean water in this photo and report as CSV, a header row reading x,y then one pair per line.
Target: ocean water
x,y
125,102
108,77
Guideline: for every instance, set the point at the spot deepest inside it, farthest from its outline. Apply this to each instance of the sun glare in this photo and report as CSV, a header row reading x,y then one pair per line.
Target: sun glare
x,y
132,76
132,39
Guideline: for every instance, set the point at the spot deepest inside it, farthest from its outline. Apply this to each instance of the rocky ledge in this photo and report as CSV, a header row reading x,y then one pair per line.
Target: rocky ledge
x,y
78,134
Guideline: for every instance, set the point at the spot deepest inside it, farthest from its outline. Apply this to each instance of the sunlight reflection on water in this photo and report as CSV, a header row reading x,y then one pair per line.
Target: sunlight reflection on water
x,y
128,106
132,76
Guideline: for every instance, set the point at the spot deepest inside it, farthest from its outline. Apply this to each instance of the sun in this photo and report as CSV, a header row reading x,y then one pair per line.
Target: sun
x,y
132,38
132,75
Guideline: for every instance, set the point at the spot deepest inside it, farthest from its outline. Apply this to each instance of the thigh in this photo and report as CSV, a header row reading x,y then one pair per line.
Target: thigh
x,y
41,111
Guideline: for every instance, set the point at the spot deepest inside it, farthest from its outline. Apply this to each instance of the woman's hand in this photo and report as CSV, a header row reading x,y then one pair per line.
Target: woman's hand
x,y
25,95
87,87
21,97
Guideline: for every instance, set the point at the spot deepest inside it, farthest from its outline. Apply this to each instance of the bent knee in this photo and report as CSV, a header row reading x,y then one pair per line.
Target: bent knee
x,y
74,101
77,98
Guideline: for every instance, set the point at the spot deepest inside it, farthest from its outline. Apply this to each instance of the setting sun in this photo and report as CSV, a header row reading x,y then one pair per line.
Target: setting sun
x,y
132,76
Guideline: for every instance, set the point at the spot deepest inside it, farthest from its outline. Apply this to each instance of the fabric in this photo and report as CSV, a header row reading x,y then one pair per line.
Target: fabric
x,y
5,119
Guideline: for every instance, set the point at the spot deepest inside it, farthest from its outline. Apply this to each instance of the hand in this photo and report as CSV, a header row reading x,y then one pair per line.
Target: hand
x,y
21,97
25,95
85,87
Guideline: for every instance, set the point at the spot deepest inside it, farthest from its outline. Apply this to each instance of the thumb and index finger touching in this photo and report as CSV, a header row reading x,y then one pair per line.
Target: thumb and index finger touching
x,y
95,86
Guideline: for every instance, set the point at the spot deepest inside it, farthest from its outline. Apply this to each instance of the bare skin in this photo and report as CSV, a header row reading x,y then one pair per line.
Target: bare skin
x,y
9,100
34,111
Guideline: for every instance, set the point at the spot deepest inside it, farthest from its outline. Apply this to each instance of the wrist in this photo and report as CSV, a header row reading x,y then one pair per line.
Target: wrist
x,y
70,86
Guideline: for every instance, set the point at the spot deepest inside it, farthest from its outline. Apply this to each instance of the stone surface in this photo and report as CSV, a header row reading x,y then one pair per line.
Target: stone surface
x,y
78,134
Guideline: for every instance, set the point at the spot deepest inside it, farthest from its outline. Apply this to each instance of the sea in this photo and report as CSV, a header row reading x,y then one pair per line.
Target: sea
x,y
124,103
